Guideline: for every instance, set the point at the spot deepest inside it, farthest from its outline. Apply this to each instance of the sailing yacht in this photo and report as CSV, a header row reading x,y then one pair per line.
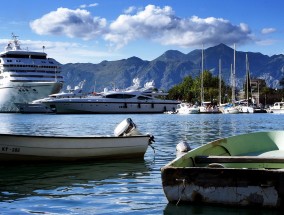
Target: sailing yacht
x,y
246,108
205,107
26,76
231,108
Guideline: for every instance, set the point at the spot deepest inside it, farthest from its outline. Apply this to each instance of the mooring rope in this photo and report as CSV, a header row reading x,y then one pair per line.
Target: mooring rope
x,y
182,191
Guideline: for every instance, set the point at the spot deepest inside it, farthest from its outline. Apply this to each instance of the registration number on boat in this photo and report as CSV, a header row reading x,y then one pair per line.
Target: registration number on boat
x,y
10,149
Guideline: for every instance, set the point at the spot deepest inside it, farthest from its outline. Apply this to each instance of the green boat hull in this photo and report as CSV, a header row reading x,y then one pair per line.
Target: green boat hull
x,y
243,170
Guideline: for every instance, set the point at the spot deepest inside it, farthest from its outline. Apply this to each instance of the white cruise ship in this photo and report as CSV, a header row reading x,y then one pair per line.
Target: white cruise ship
x,y
26,76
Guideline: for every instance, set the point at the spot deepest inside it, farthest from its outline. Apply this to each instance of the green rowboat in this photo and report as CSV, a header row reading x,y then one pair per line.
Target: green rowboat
x,y
243,170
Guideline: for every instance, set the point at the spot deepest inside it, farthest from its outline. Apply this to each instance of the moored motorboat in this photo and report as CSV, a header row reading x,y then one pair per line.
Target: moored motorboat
x,y
230,109
37,106
278,107
243,170
208,108
245,109
33,107
127,142
185,108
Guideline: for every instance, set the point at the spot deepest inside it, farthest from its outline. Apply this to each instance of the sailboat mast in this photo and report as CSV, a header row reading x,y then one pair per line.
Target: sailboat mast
x,y
202,68
233,77
248,85
220,82
247,79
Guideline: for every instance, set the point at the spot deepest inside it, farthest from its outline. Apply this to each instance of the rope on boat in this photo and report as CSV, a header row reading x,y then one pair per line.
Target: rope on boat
x,y
151,141
152,148
182,191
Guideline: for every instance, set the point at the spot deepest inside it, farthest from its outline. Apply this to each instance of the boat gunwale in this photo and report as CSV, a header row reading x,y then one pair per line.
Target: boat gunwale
x,y
198,151
237,159
72,137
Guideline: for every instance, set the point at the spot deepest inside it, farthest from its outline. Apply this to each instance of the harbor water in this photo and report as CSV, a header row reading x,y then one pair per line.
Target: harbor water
x,y
115,186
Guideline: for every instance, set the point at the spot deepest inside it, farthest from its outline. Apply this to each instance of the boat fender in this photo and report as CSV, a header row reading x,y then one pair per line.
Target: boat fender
x,y
151,141
124,128
151,138
183,146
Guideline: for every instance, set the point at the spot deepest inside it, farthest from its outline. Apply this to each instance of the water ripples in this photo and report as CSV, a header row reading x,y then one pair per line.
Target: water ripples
x,y
125,186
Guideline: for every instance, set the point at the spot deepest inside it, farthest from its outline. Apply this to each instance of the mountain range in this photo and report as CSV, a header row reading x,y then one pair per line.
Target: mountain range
x,y
172,66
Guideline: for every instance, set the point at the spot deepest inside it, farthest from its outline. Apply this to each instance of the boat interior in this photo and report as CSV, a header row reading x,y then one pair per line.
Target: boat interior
x,y
255,150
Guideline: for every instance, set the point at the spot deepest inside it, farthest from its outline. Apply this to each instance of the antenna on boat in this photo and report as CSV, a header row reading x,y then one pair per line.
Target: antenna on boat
x,y
16,42
43,47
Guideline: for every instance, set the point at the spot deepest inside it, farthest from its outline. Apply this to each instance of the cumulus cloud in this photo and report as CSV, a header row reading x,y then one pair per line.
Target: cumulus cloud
x,y
268,30
72,23
159,24
148,23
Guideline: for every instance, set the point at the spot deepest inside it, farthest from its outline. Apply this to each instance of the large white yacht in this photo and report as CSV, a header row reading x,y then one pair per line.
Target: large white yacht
x,y
131,100
37,106
26,76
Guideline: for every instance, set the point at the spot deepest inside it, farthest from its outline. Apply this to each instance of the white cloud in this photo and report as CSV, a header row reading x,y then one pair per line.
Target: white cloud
x,y
72,23
266,42
268,30
130,9
159,24
83,6
89,5
66,52
145,24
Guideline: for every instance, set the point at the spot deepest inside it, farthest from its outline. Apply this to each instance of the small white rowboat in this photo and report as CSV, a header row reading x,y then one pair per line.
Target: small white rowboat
x,y
128,142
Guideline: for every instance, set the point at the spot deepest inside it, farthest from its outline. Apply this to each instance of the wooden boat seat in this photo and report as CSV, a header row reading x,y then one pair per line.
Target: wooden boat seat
x,y
237,159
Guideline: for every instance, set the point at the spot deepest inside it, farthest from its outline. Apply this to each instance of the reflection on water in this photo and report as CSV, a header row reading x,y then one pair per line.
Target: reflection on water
x,y
125,186
69,183
27,179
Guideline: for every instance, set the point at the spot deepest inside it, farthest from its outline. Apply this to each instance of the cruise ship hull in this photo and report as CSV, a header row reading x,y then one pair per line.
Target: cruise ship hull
x,y
24,92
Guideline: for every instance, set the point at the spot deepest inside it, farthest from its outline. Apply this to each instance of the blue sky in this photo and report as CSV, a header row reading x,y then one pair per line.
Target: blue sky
x,y
90,31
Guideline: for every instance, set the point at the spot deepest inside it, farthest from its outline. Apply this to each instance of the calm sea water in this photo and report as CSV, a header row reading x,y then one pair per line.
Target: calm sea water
x,y
114,187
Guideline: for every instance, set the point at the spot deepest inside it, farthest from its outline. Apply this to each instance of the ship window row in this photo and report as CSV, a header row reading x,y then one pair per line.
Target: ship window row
x,y
37,71
119,96
143,98
33,66
33,81
18,61
24,56
35,76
